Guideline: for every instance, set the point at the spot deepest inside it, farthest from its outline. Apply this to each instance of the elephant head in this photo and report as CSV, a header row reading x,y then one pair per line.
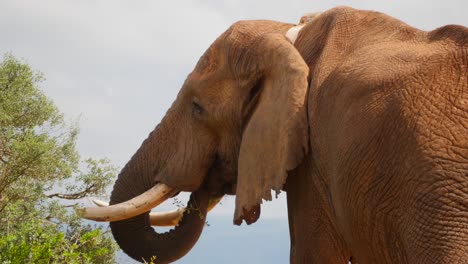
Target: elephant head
x,y
238,125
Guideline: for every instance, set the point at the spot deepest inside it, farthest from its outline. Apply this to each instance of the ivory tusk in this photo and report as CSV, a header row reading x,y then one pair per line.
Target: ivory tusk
x,y
135,206
100,203
172,218
168,218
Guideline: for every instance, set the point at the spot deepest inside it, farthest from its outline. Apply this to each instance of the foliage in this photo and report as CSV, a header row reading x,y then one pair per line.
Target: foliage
x,y
38,156
37,241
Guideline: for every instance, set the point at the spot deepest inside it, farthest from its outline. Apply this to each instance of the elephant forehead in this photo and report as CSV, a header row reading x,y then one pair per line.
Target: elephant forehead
x,y
211,60
211,90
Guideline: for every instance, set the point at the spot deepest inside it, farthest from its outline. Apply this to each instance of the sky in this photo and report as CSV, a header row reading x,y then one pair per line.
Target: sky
x,y
116,67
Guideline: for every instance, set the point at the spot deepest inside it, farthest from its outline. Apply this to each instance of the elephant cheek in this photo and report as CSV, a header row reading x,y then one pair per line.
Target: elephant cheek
x,y
185,182
187,170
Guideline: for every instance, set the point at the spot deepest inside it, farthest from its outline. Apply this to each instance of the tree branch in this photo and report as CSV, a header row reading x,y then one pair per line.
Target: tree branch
x,y
73,196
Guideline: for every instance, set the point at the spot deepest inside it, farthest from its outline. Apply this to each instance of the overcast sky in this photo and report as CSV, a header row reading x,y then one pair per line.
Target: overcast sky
x,y
118,65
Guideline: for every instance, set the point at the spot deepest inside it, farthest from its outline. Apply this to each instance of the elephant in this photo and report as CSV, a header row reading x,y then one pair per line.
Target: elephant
x,y
360,118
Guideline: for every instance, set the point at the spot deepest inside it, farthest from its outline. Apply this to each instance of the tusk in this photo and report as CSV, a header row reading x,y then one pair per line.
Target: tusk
x,y
169,218
100,203
172,218
133,207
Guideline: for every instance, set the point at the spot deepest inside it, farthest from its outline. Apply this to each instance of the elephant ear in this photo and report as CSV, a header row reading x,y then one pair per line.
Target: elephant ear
x,y
275,139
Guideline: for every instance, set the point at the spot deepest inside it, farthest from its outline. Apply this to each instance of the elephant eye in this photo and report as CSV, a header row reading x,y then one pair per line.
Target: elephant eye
x,y
196,108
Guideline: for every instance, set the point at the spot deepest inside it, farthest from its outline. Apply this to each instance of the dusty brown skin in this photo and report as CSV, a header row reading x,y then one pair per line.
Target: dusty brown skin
x,y
388,117
365,119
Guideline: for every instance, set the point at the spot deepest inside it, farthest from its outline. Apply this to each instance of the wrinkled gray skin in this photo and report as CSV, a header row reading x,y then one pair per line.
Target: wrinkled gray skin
x,y
363,121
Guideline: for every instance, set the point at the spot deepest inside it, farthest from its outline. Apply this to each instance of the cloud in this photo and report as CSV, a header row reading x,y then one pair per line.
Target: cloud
x,y
419,13
145,30
140,51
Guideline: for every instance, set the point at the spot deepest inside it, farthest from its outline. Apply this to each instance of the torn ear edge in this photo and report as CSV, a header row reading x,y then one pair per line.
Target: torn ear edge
x,y
249,216
250,213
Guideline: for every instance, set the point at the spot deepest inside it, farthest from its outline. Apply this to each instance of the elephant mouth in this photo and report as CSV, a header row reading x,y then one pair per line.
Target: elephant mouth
x,y
230,189
221,178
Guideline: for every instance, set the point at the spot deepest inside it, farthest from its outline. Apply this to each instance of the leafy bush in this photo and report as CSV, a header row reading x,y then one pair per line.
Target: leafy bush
x,y
38,155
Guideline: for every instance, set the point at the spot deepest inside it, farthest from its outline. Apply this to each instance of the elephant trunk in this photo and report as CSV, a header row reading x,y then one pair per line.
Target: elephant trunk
x,y
135,235
138,239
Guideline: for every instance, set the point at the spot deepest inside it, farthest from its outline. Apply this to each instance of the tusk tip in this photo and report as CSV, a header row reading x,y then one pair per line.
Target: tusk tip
x,y
100,203
81,212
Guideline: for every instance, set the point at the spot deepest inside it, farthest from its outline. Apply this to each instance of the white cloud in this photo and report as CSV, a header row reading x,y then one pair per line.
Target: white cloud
x,y
146,30
137,52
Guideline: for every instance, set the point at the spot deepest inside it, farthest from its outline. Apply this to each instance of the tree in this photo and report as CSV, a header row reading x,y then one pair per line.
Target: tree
x,y
37,158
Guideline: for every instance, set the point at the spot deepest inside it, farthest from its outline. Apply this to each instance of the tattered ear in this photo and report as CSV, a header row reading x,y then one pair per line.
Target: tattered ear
x,y
276,138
